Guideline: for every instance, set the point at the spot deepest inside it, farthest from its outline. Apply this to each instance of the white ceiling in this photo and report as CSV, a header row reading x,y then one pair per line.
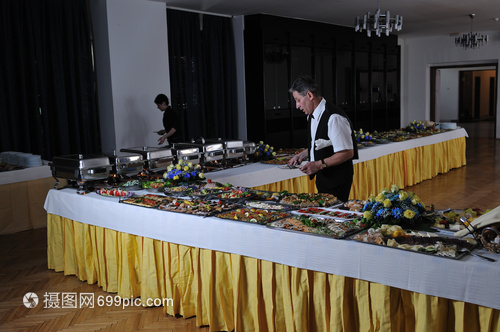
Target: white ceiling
x,y
420,17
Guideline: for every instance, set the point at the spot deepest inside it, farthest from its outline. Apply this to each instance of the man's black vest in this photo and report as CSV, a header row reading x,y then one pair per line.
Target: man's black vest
x,y
338,172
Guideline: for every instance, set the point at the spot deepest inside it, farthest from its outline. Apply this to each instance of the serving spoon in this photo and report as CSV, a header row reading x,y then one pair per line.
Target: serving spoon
x,y
466,250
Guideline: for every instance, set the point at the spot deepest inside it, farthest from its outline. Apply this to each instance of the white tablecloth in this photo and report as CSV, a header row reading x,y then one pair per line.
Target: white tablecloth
x,y
259,174
469,279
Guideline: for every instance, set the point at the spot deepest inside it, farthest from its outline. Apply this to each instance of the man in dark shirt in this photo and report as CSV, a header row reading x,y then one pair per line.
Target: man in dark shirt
x,y
171,132
331,146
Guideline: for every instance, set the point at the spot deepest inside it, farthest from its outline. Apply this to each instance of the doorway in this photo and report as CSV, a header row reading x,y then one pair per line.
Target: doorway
x,y
466,95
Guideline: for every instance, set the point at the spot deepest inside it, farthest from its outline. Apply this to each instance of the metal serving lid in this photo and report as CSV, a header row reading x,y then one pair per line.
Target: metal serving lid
x,y
124,158
150,153
80,161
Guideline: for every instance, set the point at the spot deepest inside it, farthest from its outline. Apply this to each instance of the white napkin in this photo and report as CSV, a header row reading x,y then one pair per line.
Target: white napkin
x,y
322,143
486,219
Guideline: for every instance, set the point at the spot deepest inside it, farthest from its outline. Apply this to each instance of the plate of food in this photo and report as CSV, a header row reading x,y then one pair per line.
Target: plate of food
x,y
319,226
148,201
430,243
197,206
114,192
267,205
330,213
235,194
308,199
449,219
257,216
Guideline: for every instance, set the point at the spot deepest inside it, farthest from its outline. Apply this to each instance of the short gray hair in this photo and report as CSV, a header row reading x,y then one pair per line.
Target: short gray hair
x,y
305,84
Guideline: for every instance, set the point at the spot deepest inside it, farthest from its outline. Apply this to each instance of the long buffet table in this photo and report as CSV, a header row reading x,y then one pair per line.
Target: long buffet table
x,y
248,277
402,163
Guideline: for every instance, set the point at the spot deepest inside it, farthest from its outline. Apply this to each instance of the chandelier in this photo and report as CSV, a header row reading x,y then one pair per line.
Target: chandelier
x,y
378,23
471,40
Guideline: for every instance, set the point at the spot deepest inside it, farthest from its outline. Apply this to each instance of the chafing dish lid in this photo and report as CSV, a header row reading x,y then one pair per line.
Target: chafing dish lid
x,y
188,149
80,161
150,153
119,158
203,145
228,143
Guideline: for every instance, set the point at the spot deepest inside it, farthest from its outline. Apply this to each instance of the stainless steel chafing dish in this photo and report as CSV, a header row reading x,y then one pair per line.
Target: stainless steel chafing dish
x,y
155,158
126,163
187,153
210,152
233,148
250,147
81,168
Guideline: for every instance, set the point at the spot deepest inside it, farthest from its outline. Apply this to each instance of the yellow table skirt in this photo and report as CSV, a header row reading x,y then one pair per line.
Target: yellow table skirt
x,y
230,291
404,168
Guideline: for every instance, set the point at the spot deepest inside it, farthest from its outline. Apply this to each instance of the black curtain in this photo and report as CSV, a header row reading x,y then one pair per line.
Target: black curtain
x,y
47,81
203,74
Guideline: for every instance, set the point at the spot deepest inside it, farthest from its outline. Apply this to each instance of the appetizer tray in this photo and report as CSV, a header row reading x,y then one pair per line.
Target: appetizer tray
x,y
309,200
266,205
330,213
258,216
148,201
114,192
423,242
197,206
319,226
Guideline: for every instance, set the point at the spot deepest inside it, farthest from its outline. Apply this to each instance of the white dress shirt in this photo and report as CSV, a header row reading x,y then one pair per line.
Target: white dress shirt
x,y
339,130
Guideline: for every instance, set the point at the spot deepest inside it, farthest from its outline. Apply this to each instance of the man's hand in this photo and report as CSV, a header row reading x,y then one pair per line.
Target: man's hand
x,y
298,158
311,167
162,139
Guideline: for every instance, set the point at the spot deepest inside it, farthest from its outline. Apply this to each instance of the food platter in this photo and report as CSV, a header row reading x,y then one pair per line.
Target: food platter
x,y
197,206
234,195
148,200
423,242
114,192
309,199
319,226
330,213
257,216
266,205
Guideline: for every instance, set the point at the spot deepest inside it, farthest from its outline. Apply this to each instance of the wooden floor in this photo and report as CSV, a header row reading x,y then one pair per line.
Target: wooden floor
x,y
23,261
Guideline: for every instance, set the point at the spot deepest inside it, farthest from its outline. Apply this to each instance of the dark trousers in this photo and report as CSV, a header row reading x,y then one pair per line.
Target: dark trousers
x,y
341,189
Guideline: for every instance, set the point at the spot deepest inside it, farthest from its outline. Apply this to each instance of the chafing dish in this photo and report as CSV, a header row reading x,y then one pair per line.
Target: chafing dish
x,y
233,149
155,158
250,148
126,163
210,152
187,153
81,168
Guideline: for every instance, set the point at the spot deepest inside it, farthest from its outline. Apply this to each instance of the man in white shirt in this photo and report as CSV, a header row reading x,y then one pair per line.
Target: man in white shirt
x,y
331,164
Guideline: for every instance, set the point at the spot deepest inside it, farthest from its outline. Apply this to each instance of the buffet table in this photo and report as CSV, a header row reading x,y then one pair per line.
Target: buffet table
x,y
22,194
402,163
236,275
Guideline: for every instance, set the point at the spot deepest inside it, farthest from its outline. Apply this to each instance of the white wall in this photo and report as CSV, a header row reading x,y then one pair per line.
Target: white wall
x,y
131,71
448,106
419,54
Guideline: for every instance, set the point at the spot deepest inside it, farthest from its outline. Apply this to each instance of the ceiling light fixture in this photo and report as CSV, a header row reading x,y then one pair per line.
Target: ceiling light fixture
x,y
471,40
378,23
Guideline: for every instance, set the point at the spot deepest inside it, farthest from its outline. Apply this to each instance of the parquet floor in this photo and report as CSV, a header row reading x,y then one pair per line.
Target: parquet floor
x,y
23,261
